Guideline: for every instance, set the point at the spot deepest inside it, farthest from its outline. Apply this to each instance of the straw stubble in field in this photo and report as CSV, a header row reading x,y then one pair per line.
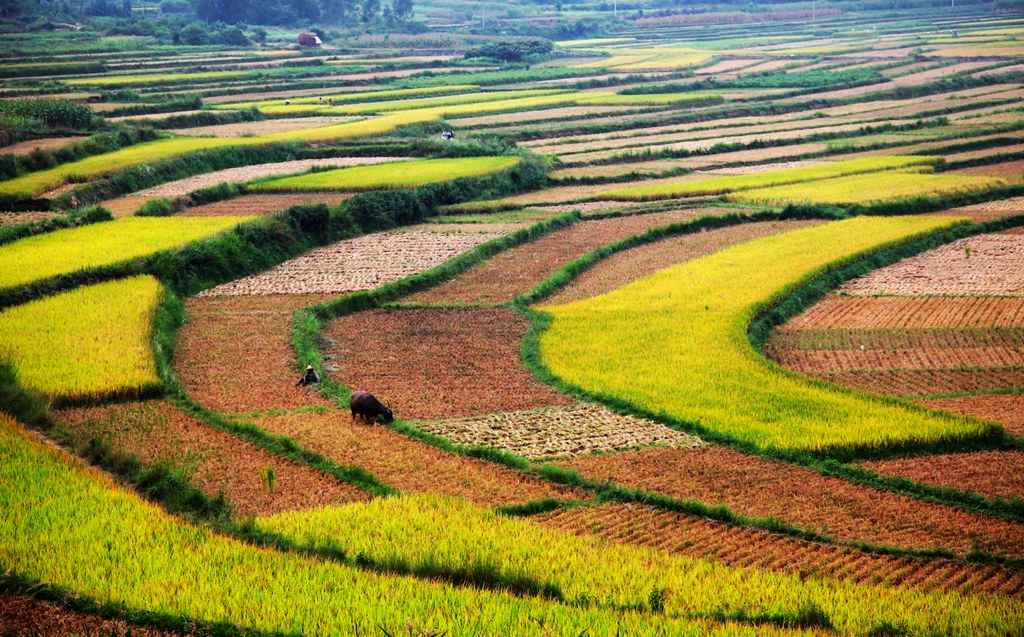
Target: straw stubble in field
x,y
755,487
362,263
23,615
262,205
995,474
560,432
1005,409
216,462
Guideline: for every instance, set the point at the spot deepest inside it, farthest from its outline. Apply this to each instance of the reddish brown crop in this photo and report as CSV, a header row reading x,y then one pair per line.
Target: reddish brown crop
x,y
1005,409
997,474
23,615
756,487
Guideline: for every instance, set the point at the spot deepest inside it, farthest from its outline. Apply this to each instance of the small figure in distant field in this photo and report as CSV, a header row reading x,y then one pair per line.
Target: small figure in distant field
x,y
367,408
287,102
309,377
330,101
448,135
321,100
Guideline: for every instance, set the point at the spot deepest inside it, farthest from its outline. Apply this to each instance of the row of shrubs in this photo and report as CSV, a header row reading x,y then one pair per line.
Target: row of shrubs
x,y
14,165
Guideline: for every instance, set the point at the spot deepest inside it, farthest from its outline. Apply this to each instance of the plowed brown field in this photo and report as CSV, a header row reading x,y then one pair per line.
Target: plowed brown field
x,y
18,218
48,143
865,313
216,462
827,361
560,432
929,382
25,616
630,265
409,465
263,204
996,474
995,266
516,271
987,211
241,129
756,487
1005,409
235,353
707,539
437,363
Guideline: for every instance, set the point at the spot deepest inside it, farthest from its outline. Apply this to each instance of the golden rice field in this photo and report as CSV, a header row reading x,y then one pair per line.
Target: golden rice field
x,y
874,188
433,102
73,527
100,244
811,174
675,342
92,341
154,78
388,175
430,531
360,96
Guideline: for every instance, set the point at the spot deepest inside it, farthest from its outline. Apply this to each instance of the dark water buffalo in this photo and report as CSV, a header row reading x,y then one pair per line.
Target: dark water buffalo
x,y
366,407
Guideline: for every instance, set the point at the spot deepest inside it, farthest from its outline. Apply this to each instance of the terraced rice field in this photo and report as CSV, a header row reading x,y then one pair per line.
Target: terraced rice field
x,y
630,265
245,174
428,364
262,205
407,465
516,271
560,431
216,462
1006,409
755,487
244,129
19,218
235,353
905,313
982,212
355,264
995,474
47,143
750,548
980,265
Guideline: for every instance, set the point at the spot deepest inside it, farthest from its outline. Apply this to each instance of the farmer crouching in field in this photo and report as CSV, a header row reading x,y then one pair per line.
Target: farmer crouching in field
x,y
308,378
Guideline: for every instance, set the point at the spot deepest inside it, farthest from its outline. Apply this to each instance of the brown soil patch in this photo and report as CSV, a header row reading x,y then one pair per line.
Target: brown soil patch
x,y
362,263
241,129
987,211
19,218
908,383
235,353
1005,409
25,616
574,112
872,313
994,267
627,266
518,270
491,228
244,174
432,363
214,461
996,474
763,168
755,487
49,143
560,432
1012,171
408,465
749,548
753,155
615,170
262,204
124,206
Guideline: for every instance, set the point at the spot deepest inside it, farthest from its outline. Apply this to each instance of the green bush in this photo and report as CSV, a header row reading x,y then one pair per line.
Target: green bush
x,y
156,208
54,113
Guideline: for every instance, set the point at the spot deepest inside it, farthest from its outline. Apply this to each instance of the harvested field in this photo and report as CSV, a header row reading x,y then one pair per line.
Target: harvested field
x,y
235,353
987,211
48,143
560,432
1012,171
1005,409
25,616
243,174
752,155
865,313
127,206
585,207
362,263
974,154
428,363
995,266
260,204
755,487
630,265
408,465
569,112
995,474
216,462
569,194
615,170
911,383
486,228
763,168
19,218
518,270
241,129
707,539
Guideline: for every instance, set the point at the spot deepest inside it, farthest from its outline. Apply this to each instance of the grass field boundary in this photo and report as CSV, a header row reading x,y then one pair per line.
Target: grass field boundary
x,y
71,219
